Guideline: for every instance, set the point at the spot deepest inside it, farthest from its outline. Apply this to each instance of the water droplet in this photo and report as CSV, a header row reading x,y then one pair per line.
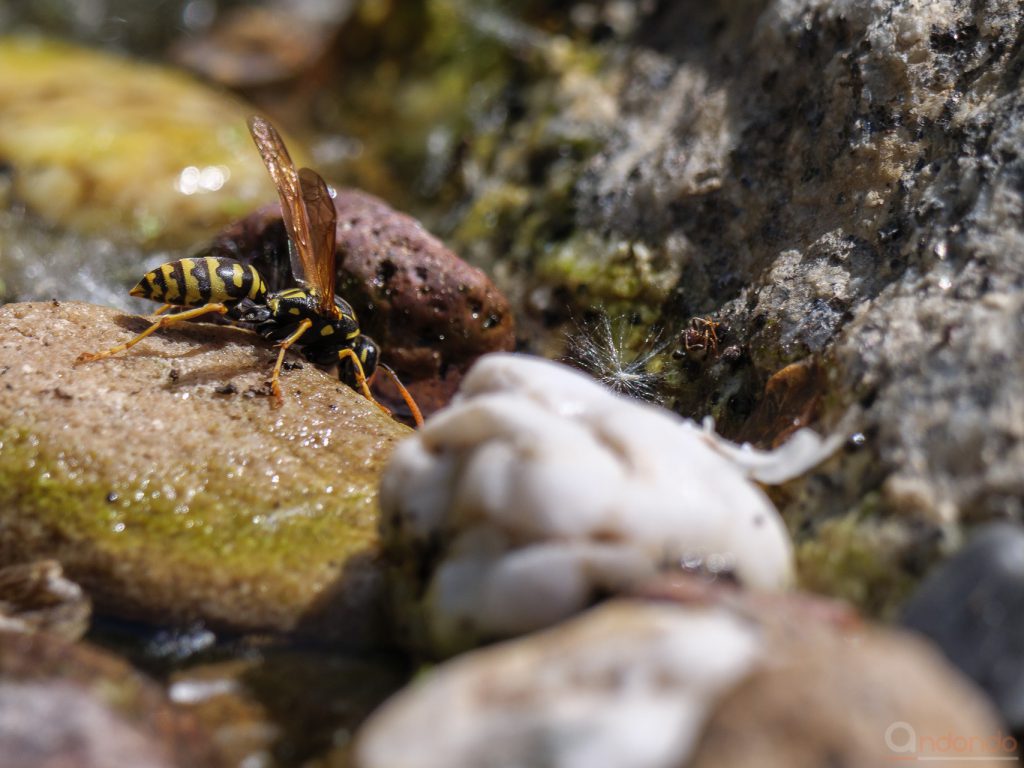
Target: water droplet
x,y
858,439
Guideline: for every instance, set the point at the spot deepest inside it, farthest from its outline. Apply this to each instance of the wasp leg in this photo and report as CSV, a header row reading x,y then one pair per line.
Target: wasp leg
x,y
283,345
162,309
414,409
361,377
207,309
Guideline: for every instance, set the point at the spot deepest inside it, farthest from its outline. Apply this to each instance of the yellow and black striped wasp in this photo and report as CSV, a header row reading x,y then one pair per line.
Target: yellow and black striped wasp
x,y
310,317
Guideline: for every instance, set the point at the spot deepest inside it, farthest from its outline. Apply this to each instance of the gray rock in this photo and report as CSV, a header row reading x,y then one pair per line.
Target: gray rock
x,y
972,608
837,181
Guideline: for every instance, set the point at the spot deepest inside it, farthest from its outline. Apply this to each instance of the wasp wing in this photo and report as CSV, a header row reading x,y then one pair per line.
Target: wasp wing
x,y
282,170
322,218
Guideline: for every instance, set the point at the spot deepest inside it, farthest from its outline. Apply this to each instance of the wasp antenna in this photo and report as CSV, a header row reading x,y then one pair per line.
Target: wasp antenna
x,y
414,409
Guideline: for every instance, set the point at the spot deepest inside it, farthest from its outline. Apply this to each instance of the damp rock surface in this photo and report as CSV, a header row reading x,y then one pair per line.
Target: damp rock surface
x,y
100,144
167,486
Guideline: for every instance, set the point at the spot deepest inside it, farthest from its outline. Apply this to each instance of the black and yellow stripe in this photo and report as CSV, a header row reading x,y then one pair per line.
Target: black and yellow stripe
x,y
195,282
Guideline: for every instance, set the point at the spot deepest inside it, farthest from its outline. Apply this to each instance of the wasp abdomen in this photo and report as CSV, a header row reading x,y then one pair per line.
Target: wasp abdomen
x,y
206,280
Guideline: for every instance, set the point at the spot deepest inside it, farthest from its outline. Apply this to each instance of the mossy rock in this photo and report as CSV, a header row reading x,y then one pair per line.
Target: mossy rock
x,y
167,485
105,145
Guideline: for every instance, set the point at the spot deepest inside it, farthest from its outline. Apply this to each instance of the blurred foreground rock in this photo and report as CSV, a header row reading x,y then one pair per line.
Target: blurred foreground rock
x,y
713,677
432,313
72,705
539,491
972,607
105,145
164,482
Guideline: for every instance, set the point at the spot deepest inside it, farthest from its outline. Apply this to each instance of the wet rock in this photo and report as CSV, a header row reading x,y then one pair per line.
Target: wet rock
x,y
539,490
626,684
715,677
285,707
101,144
970,607
432,313
35,597
64,704
166,484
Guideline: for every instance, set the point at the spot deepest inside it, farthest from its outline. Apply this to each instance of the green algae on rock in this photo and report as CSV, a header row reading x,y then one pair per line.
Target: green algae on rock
x,y
103,144
166,485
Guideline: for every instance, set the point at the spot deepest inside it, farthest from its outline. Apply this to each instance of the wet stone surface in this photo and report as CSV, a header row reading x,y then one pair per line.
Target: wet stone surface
x,y
167,486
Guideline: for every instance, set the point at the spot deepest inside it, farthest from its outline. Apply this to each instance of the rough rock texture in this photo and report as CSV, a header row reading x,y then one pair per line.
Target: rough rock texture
x,y
837,181
626,684
166,484
73,705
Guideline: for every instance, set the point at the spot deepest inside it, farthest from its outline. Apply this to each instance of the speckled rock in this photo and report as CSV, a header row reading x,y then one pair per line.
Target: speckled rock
x,y
166,484
102,144
432,313
836,183
971,608
35,597
72,705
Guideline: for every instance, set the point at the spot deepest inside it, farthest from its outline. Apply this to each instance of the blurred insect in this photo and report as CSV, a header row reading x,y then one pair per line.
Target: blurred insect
x,y
323,326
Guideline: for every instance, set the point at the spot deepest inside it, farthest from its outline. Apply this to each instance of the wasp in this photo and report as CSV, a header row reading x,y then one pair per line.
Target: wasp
x,y
310,316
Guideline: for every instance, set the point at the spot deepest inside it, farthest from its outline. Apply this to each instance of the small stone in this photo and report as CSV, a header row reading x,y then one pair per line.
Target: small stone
x,y
706,676
35,597
972,607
